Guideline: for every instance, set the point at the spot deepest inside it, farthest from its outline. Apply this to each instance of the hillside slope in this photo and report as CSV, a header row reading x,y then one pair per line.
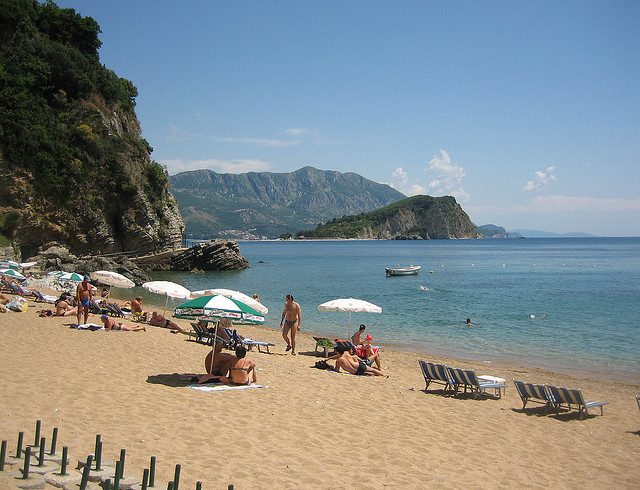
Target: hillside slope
x,y
270,204
414,218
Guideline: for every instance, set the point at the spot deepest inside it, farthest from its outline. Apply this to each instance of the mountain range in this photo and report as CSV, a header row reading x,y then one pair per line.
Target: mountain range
x,y
267,205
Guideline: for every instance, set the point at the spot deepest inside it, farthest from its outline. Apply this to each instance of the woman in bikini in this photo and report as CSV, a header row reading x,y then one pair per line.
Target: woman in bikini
x,y
243,371
110,324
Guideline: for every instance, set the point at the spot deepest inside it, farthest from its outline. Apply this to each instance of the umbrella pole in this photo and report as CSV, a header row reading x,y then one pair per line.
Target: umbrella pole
x,y
165,305
349,328
213,347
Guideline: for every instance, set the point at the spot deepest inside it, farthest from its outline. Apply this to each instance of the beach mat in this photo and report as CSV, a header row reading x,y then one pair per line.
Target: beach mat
x,y
205,387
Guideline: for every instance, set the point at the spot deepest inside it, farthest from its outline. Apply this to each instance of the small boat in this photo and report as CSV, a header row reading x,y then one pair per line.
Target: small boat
x,y
403,271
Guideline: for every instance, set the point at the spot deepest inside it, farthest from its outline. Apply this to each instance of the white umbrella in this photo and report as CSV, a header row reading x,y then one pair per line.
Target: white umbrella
x,y
169,289
12,273
27,265
112,279
229,293
350,305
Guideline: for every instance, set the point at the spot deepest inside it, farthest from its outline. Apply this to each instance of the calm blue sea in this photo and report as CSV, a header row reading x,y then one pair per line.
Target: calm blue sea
x,y
588,288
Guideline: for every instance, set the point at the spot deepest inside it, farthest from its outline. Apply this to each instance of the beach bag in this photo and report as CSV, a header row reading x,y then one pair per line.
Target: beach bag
x,y
18,303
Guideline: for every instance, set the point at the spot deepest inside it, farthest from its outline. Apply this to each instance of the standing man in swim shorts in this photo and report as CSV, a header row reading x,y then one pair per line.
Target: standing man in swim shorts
x,y
83,297
291,318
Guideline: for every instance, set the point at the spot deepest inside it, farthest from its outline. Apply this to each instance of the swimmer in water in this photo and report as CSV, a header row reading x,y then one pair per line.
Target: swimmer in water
x,y
468,322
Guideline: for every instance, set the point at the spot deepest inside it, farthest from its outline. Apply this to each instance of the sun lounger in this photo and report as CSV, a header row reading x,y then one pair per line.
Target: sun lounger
x,y
248,343
638,400
567,397
435,373
468,379
203,336
534,392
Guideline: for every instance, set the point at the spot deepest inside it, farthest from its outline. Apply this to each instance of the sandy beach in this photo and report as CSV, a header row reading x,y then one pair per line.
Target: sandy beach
x,y
306,428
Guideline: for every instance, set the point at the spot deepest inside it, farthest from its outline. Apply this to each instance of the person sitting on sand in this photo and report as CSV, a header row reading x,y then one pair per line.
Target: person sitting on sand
x,y
3,299
110,324
243,370
352,364
105,293
158,320
356,338
136,309
222,363
64,309
368,352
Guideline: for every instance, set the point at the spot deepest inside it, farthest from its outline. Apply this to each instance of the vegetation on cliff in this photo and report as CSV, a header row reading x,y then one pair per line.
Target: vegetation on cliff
x,y
417,217
74,166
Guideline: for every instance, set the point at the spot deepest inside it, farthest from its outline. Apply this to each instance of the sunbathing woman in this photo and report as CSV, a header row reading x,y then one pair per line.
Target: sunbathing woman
x,y
243,371
65,309
110,324
157,320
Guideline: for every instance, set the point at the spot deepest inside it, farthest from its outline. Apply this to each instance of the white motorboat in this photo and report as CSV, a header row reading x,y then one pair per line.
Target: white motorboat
x,y
412,270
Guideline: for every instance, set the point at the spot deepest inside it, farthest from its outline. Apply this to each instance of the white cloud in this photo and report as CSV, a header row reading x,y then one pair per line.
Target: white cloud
x,y
581,204
400,182
236,166
448,177
542,179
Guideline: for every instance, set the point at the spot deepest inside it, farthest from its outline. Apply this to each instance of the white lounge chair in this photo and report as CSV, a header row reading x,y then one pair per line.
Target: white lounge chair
x,y
534,392
468,379
568,397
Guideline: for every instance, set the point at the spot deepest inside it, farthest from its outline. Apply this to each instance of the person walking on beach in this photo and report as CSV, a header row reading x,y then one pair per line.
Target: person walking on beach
x,y
290,322
83,298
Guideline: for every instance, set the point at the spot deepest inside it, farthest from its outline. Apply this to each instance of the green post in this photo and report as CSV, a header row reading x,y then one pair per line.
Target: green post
x,y
198,485
3,454
54,441
116,478
63,466
152,472
99,456
38,425
19,448
41,453
176,478
85,473
145,479
107,484
122,455
27,458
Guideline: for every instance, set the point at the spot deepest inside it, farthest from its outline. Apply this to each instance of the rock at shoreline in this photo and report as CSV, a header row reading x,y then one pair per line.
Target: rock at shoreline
x,y
217,255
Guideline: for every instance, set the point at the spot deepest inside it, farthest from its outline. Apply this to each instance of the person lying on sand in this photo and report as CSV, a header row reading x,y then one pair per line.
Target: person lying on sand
x,y
352,364
64,309
110,324
158,320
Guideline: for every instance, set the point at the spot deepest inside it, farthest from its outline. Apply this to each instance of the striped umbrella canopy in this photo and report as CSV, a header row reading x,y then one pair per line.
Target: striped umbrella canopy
x,y
213,308
71,277
9,264
230,293
12,273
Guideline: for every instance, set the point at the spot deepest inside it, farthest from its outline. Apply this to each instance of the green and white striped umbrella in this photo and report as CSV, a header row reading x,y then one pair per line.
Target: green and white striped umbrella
x,y
213,308
12,273
71,277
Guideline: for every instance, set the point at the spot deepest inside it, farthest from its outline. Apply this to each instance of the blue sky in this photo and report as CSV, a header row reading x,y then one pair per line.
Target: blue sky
x,y
527,112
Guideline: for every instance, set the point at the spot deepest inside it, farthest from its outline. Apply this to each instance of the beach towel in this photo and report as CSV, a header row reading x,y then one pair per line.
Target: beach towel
x,y
205,387
88,326
18,303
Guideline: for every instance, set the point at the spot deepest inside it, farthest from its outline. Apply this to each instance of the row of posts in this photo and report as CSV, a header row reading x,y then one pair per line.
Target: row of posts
x,y
93,464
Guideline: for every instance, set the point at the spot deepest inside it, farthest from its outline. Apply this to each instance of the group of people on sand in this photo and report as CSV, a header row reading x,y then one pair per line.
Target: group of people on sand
x,y
232,369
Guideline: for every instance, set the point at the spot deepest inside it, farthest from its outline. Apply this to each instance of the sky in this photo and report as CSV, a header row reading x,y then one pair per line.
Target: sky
x,y
528,112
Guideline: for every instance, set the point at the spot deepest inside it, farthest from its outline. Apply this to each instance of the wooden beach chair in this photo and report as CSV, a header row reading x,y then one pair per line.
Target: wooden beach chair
x,y
534,392
568,397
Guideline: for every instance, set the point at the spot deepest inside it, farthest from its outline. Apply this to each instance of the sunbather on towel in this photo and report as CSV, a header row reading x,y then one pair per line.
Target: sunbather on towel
x,y
222,363
243,371
158,320
352,364
65,309
110,324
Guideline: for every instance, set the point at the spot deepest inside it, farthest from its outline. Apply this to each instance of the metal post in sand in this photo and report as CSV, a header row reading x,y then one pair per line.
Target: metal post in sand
x,y
176,478
145,479
54,441
3,454
37,440
152,472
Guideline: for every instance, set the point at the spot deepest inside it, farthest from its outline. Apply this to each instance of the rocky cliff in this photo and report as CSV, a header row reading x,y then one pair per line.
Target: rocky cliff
x,y
74,168
414,218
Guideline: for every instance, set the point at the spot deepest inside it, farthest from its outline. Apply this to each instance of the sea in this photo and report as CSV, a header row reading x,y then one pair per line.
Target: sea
x,y
570,305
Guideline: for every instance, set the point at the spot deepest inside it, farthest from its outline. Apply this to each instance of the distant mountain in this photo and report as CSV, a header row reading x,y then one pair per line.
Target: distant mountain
x,y
266,205
492,231
545,234
414,218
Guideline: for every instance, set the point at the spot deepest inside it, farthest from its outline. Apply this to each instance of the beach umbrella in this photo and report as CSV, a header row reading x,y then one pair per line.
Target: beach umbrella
x,y
27,265
9,264
350,305
212,308
169,289
12,273
71,277
112,279
229,293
